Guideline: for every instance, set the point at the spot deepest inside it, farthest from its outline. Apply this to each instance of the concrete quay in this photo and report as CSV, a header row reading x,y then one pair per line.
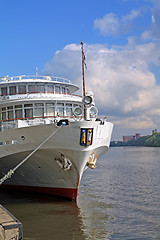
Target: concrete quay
x,y
10,227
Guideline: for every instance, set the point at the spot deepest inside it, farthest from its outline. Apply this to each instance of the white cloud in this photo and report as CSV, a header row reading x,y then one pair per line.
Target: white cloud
x,y
146,35
111,25
128,21
123,85
137,123
108,25
131,16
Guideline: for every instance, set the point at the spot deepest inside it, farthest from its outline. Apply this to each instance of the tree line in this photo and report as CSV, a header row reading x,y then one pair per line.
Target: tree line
x,y
148,141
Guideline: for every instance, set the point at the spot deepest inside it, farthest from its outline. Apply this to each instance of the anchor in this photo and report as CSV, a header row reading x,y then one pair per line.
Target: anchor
x,y
92,162
63,162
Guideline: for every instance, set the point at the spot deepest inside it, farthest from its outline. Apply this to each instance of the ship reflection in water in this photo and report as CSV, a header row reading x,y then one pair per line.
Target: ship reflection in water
x,y
47,217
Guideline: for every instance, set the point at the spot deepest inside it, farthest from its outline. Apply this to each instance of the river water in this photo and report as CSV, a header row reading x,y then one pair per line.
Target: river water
x,y
120,199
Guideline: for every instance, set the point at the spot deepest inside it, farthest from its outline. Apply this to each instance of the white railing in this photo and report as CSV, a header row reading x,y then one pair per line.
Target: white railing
x,y
6,125
34,77
24,123
66,96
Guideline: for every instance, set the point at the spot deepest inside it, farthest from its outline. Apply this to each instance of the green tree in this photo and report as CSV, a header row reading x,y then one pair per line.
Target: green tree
x,y
153,141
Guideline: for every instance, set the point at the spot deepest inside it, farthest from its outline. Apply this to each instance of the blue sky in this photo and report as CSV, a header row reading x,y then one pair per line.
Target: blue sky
x,y
122,52
32,30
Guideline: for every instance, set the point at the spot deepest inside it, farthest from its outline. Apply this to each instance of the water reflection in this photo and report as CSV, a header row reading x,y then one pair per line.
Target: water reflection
x,y
95,217
46,217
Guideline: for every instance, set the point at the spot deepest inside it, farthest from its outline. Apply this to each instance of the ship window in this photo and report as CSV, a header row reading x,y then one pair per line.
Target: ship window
x,y
50,89
21,89
63,90
18,113
28,105
49,104
41,88
10,114
60,109
28,113
69,111
50,109
10,107
39,105
60,104
3,115
39,110
67,90
28,110
68,104
57,89
3,91
32,88
12,90
18,106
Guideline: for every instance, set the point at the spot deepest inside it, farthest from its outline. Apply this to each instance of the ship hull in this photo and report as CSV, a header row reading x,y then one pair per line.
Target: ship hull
x,y
57,166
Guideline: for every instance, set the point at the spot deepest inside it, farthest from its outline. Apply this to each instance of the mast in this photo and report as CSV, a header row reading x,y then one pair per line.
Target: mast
x,y
83,58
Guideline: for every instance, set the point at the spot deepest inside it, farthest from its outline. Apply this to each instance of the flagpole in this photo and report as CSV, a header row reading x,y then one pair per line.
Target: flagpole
x,y
84,91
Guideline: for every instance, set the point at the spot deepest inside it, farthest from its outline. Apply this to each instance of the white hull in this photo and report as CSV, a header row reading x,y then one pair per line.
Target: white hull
x,y
42,172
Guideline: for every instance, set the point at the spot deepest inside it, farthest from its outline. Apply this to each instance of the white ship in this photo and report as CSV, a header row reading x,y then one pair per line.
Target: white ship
x,y
48,135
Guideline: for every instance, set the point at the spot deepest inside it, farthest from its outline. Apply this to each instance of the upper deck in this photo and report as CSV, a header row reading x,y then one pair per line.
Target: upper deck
x,y
10,86
33,77
36,100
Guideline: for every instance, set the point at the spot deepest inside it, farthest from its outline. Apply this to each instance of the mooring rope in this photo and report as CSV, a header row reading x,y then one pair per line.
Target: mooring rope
x,y
11,171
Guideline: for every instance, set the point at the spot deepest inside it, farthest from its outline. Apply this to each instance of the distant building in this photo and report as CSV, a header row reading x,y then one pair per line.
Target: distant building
x,y
127,138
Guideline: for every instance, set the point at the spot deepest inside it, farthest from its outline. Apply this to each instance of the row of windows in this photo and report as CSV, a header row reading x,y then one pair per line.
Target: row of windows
x,y
36,110
34,88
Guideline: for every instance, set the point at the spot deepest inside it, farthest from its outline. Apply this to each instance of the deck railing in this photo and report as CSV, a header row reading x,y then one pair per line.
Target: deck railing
x,y
41,94
33,121
34,77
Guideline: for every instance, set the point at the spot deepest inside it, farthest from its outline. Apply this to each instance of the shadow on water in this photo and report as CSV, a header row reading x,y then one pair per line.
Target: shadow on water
x,y
47,217
44,217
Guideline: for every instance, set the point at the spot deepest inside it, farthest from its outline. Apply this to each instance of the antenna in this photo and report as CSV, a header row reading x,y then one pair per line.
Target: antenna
x,y
36,71
83,58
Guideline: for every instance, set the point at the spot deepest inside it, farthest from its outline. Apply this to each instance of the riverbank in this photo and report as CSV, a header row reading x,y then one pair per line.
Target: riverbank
x,y
147,141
